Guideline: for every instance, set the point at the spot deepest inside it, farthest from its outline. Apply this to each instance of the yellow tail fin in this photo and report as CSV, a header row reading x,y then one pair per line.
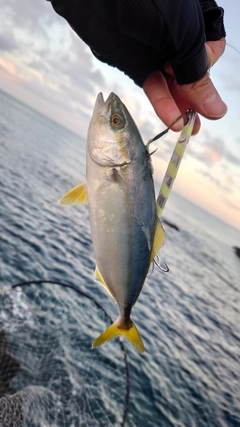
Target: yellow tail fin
x,y
131,334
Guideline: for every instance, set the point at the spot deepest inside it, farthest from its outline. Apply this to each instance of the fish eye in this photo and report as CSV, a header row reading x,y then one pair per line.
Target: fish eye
x,y
116,120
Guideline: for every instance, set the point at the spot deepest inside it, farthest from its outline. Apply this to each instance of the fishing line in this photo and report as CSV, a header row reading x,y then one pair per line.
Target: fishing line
x,y
7,289
227,44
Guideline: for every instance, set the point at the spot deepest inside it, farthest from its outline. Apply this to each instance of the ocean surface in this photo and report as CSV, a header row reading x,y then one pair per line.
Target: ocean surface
x,y
189,318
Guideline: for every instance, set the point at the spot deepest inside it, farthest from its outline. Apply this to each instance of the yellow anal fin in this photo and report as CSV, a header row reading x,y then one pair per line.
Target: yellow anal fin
x,y
75,196
131,333
159,239
98,277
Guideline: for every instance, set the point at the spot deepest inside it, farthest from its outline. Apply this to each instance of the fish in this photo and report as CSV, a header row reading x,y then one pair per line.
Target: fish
x,y
125,228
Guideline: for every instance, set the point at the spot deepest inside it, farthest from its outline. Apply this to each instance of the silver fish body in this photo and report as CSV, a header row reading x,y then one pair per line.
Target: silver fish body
x,y
122,205
125,229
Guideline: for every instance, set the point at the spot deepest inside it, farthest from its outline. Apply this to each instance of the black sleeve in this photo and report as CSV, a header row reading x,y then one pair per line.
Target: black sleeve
x,y
139,36
213,19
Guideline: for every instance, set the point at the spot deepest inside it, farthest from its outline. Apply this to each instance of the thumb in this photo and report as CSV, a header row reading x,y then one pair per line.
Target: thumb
x,y
203,97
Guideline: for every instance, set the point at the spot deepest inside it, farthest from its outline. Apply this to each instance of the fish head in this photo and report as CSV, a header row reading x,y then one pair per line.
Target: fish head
x,y
111,132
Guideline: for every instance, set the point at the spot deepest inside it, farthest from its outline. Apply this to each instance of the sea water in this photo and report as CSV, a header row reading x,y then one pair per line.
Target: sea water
x,y
189,318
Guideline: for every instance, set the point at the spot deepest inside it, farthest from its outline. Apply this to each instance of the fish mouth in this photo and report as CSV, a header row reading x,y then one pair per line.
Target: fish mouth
x,y
99,101
102,107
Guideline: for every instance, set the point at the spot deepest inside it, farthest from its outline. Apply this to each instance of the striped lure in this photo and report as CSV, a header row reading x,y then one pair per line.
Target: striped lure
x,y
174,163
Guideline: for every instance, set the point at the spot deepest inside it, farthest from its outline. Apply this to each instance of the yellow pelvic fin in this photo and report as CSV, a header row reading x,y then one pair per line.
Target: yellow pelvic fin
x,y
75,196
159,239
98,277
131,334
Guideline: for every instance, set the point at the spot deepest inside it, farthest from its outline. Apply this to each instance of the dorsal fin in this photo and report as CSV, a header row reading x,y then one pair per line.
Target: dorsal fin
x,y
75,196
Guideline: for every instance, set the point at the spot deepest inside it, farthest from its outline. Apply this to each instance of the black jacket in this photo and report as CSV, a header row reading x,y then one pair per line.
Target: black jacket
x,y
139,36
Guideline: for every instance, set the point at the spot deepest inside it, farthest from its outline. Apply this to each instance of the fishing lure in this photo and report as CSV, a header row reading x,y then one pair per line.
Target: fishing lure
x,y
176,158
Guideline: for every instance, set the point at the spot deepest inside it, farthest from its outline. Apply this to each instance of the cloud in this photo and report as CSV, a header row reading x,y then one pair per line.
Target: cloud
x,y
27,15
210,156
232,158
212,150
7,42
224,179
52,62
233,204
7,67
48,58
211,177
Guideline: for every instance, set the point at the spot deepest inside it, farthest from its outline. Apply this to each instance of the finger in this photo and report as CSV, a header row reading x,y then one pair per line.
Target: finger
x,y
169,69
203,97
180,100
158,93
214,50
184,106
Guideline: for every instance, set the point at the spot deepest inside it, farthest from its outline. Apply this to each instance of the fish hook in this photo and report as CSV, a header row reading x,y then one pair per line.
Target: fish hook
x,y
166,270
186,113
154,151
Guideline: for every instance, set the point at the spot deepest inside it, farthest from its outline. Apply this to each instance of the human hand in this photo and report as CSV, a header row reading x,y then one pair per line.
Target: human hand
x,y
170,99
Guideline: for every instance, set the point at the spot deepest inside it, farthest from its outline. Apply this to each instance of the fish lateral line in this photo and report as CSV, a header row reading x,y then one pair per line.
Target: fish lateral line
x,y
112,165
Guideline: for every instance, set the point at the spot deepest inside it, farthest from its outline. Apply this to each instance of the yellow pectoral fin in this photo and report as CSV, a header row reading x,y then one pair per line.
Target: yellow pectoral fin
x,y
159,239
75,196
131,333
98,277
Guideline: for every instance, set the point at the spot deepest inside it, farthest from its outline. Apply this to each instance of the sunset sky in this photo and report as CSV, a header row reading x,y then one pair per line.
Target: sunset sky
x,y
44,64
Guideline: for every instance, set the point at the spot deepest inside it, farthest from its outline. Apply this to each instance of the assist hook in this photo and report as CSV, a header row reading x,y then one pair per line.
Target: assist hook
x,y
186,113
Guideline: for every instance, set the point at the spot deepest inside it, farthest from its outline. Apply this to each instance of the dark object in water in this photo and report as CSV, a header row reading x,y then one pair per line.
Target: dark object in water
x,y
237,251
165,221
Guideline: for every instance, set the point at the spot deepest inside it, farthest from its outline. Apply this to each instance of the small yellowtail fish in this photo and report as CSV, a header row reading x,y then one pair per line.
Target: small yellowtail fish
x,y
125,228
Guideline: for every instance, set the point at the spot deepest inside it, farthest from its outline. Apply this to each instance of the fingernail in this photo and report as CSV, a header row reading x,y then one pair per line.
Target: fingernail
x,y
214,106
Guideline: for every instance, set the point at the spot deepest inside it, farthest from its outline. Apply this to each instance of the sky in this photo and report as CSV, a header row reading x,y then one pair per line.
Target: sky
x,y
44,64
